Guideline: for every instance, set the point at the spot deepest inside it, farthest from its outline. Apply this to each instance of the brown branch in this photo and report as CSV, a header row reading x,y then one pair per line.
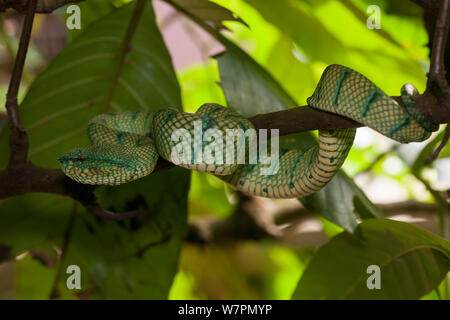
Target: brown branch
x,y
41,7
428,3
441,146
19,137
36,179
437,20
114,216
436,77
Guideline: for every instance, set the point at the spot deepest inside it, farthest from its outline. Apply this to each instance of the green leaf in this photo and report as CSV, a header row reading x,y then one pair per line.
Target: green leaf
x,y
42,6
134,259
412,262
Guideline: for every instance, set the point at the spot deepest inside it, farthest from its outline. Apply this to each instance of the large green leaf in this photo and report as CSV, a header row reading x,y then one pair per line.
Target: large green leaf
x,y
131,259
412,262
250,89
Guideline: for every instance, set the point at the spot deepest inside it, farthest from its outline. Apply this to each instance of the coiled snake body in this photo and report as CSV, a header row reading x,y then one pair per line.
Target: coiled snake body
x,y
126,145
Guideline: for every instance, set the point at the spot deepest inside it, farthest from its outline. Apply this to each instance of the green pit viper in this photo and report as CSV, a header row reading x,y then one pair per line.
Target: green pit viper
x,y
126,145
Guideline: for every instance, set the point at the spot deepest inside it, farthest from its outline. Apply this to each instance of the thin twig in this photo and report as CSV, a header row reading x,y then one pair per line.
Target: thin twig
x,y
19,137
437,81
427,4
54,293
114,216
441,146
42,6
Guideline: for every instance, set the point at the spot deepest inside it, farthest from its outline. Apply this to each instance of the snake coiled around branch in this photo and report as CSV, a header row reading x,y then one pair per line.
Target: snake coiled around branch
x,y
127,145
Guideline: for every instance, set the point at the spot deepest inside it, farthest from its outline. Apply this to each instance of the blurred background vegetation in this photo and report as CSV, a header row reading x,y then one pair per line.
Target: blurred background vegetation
x,y
293,40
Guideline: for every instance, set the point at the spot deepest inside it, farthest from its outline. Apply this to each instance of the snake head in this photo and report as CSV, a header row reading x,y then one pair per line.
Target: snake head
x,y
98,165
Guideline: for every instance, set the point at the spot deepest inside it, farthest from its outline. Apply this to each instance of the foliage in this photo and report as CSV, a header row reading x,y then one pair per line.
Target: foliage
x,y
274,54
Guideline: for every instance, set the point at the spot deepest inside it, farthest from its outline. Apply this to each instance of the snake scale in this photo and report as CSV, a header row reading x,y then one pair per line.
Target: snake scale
x,y
127,145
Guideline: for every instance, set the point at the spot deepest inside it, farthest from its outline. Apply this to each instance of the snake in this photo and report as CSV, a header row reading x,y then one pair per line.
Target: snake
x,y
126,146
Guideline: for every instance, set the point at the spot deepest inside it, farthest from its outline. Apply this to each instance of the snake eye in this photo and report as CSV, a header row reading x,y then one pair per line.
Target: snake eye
x,y
80,159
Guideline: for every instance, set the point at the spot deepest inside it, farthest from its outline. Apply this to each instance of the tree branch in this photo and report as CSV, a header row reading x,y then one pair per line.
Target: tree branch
x,y
36,179
437,20
436,77
433,156
282,224
114,216
428,3
19,137
54,293
41,7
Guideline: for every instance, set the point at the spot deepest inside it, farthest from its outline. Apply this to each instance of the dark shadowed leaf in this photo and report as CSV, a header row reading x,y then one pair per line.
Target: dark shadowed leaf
x,y
134,259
